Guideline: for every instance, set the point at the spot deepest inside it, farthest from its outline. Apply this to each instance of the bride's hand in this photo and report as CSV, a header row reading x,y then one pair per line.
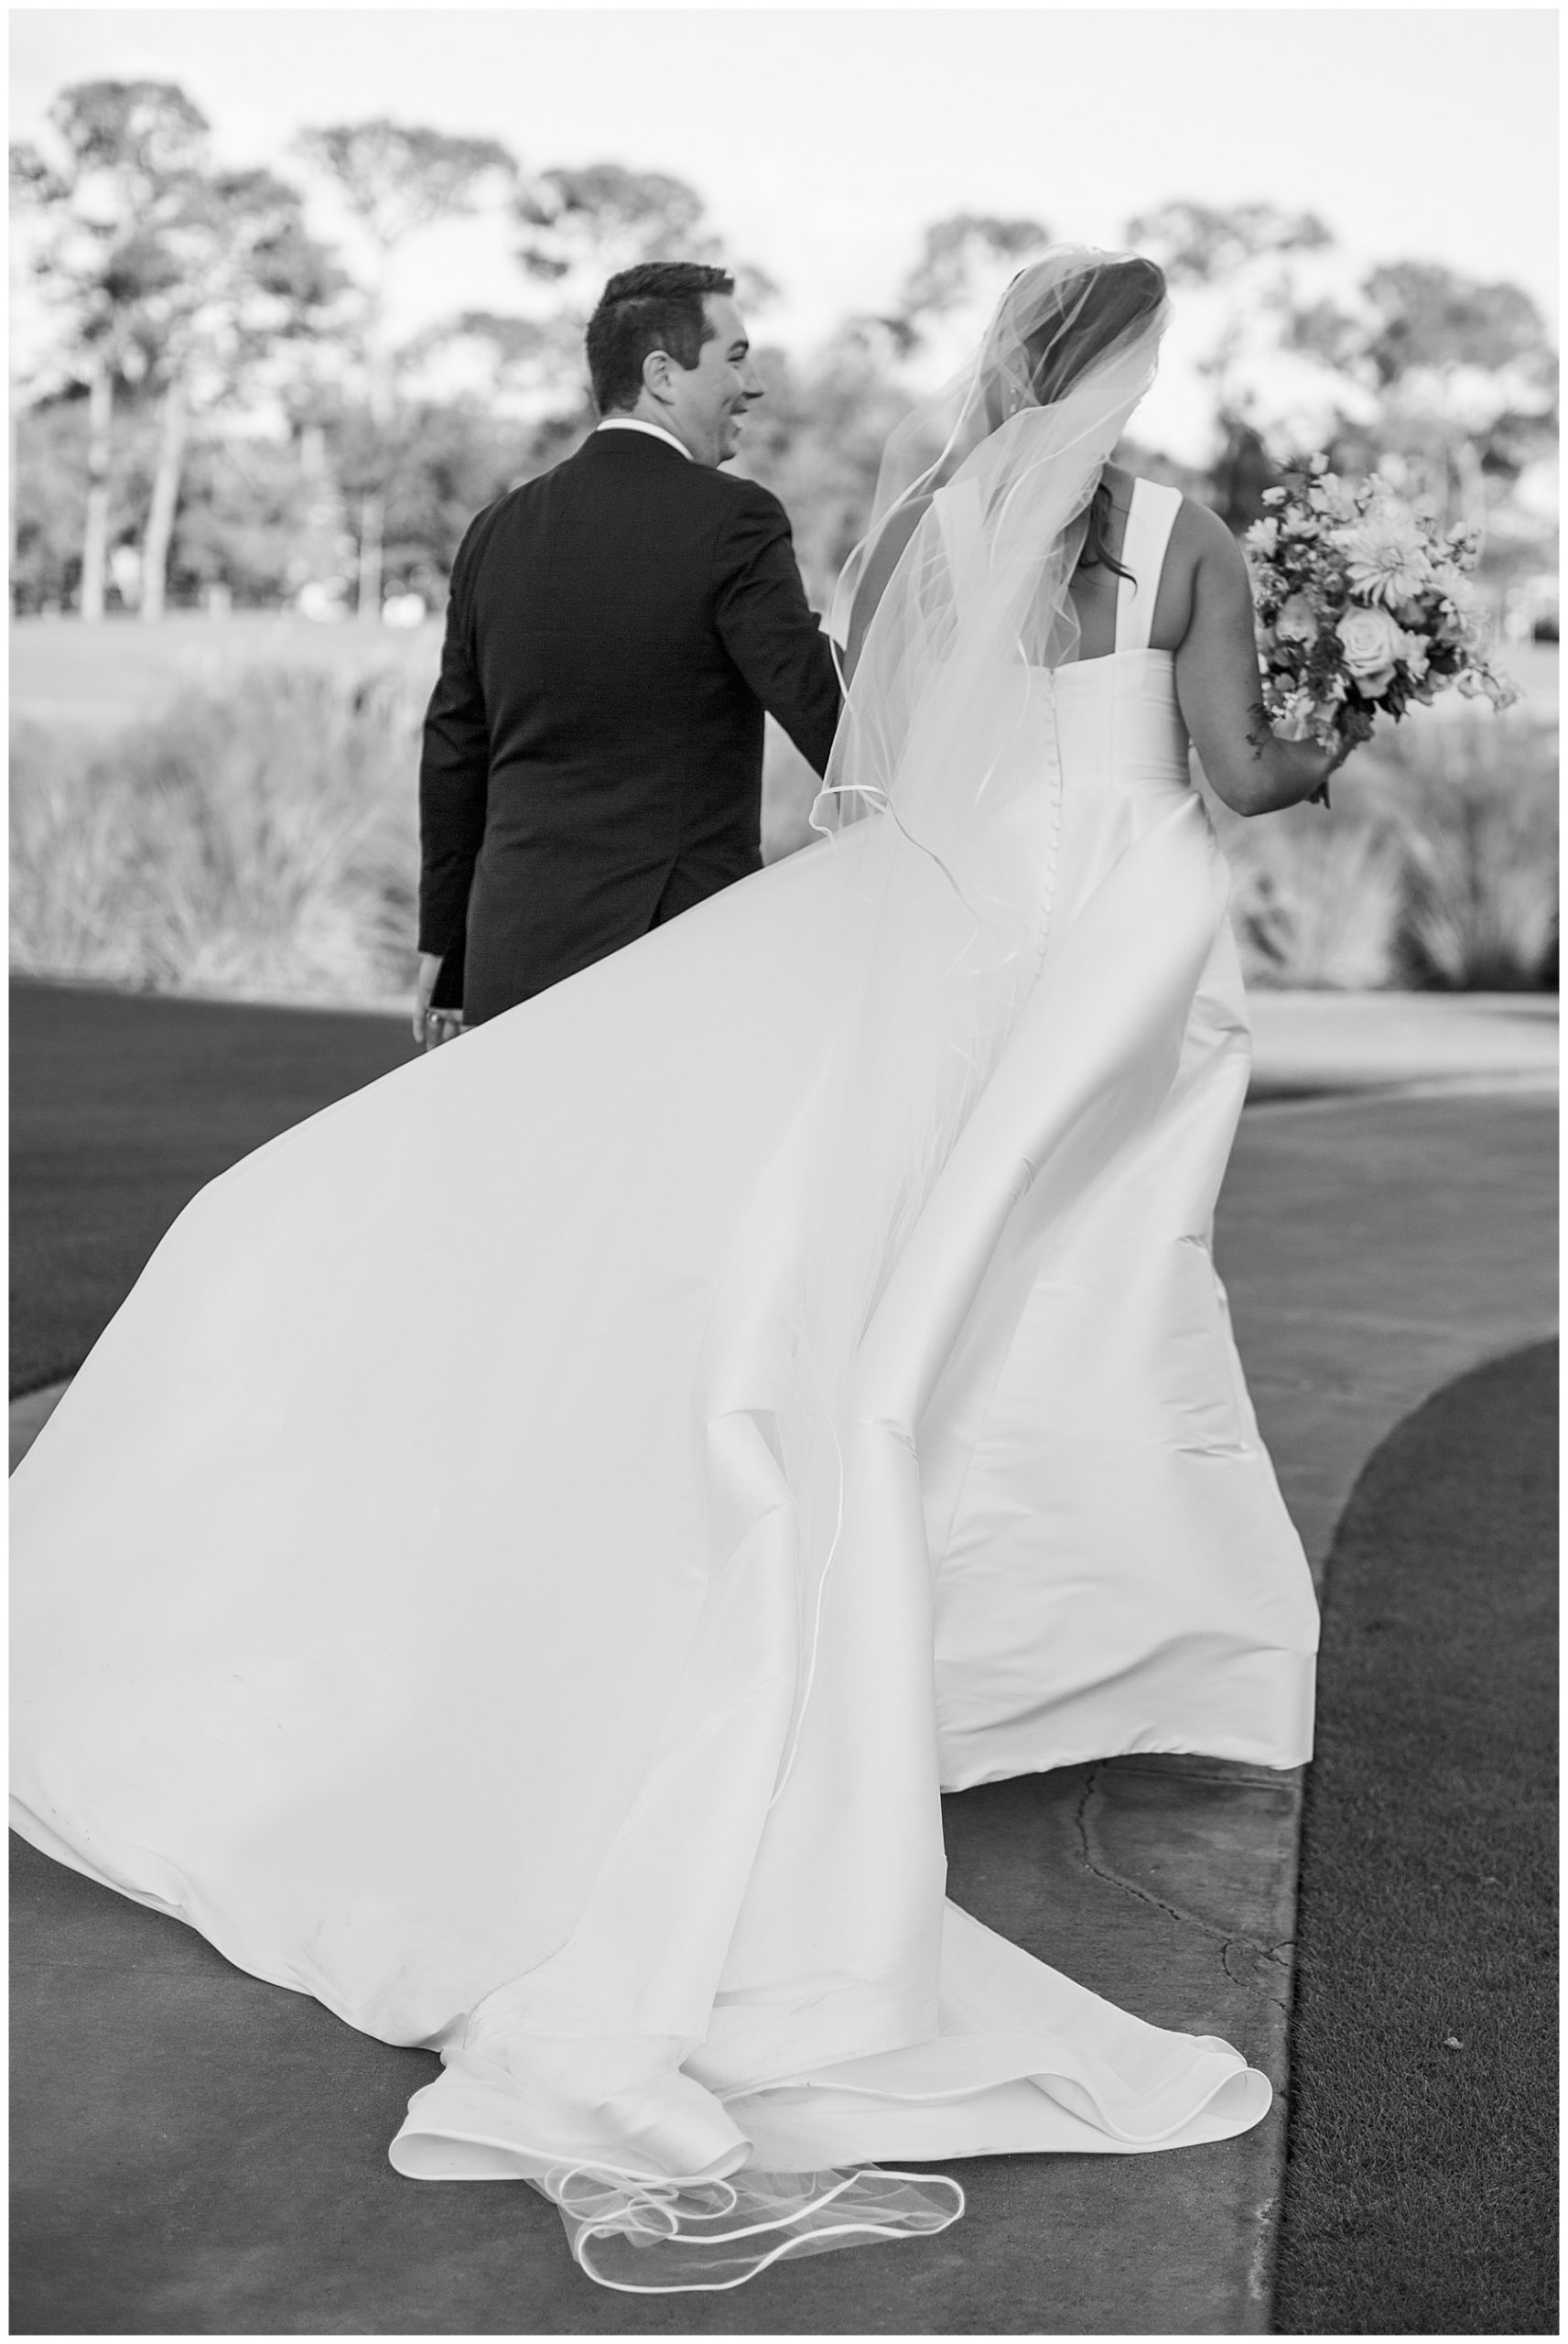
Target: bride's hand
x,y
1244,761
1333,760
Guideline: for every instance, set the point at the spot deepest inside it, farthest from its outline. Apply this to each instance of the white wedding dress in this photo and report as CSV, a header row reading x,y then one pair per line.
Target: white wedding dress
x,y
406,1591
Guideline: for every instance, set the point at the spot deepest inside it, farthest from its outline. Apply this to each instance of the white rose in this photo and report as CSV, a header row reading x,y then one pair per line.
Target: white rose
x,y
1297,623
1369,642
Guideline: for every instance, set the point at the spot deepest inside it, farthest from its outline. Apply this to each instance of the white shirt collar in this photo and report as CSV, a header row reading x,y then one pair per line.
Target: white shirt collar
x,y
655,431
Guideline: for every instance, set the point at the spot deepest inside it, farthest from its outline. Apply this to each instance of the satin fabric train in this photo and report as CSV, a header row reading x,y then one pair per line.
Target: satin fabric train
x,y
405,1591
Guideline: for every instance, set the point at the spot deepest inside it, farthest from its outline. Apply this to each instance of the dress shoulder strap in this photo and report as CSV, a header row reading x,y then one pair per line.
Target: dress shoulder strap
x,y
1149,522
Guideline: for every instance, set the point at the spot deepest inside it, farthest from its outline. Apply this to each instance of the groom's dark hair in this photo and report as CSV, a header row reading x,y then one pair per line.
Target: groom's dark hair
x,y
655,307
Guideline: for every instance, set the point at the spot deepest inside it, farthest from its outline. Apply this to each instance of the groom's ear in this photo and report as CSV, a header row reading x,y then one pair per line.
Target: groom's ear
x,y
657,368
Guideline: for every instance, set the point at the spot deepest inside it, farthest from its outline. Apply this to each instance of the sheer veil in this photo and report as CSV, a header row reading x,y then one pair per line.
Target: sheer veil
x,y
1023,431
943,788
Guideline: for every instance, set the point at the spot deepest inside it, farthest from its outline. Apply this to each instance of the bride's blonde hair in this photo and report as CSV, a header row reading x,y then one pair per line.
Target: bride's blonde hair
x,y
1118,299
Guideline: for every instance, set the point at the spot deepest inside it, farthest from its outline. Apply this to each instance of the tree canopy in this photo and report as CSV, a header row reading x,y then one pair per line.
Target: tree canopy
x,y
219,373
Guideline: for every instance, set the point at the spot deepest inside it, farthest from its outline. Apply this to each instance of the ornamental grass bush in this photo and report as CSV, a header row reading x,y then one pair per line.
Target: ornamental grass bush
x,y
1476,802
261,839
1317,902
1436,867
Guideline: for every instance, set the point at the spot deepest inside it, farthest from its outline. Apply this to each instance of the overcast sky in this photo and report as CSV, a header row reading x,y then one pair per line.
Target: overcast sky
x,y
826,139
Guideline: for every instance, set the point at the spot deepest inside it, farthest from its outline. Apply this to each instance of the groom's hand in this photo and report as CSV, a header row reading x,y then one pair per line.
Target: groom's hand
x,y
432,1026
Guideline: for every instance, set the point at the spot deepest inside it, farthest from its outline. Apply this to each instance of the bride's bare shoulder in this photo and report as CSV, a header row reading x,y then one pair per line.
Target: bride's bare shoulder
x,y
881,559
1199,535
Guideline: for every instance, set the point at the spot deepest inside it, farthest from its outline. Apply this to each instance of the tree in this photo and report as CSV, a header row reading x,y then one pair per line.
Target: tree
x,y
957,251
1292,343
527,368
1459,378
248,279
35,191
1243,473
456,456
1235,367
963,266
397,179
582,228
1196,244
128,149
1466,372
816,440
818,437
587,224
49,493
244,516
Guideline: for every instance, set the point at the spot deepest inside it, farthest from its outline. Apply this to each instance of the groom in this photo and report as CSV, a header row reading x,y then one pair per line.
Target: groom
x,y
593,750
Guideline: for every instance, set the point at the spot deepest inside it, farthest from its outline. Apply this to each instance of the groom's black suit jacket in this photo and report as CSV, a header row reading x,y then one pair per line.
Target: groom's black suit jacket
x,y
593,751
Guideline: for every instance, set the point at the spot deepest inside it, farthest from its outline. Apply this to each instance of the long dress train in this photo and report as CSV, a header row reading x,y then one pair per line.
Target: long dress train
x,y
406,1591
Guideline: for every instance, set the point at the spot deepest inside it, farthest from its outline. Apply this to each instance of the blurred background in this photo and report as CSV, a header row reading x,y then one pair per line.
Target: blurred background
x,y
296,292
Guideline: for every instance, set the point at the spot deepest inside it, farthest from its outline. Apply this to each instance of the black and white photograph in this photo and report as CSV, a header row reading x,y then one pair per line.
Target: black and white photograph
x,y
783,1411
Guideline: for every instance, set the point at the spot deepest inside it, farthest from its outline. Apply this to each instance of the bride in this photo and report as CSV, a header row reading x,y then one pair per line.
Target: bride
x,y
528,1556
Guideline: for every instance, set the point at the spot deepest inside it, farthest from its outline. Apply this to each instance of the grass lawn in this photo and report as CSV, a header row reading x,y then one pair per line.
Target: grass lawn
x,y
1420,2192
117,672
122,1107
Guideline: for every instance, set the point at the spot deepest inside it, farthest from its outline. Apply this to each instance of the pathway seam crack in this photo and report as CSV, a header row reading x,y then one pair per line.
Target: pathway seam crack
x,y
1279,1953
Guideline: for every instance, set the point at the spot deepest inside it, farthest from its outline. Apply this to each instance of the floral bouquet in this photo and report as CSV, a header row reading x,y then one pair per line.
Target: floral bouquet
x,y
1361,606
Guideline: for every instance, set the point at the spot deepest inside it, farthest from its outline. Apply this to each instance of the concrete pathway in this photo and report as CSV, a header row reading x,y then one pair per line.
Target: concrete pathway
x,y
198,2151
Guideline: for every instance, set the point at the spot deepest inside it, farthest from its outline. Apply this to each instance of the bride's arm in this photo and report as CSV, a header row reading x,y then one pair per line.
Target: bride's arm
x,y
1217,686
882,560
